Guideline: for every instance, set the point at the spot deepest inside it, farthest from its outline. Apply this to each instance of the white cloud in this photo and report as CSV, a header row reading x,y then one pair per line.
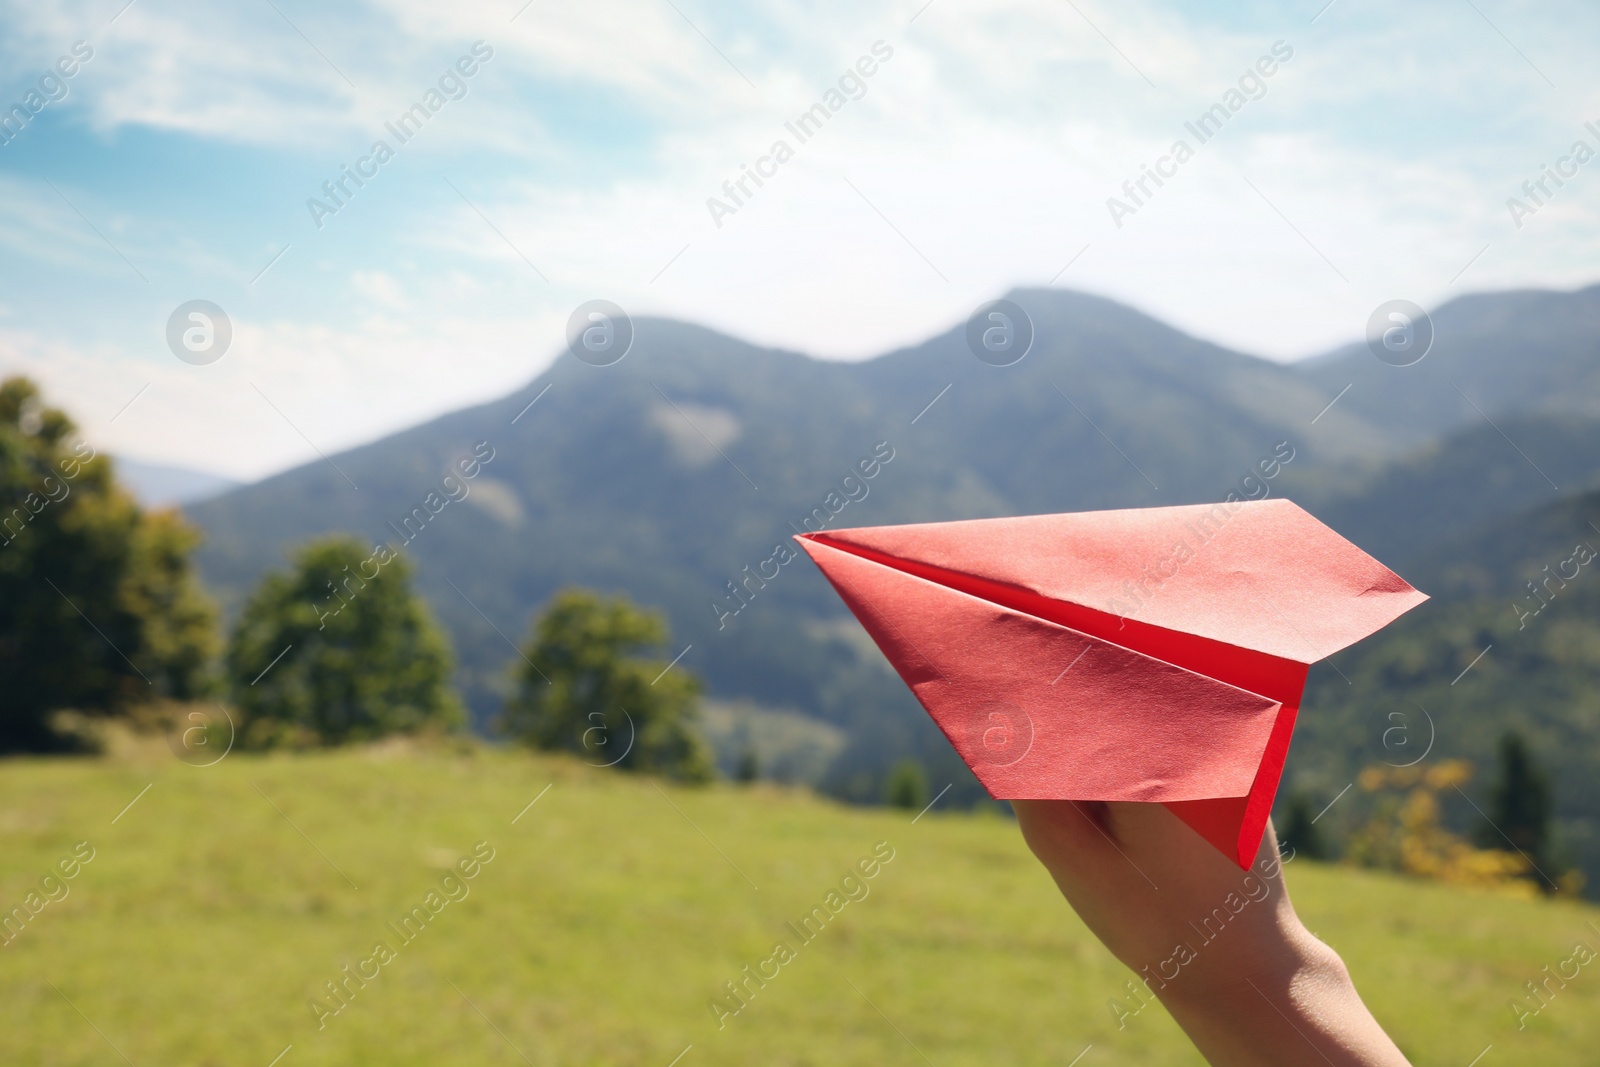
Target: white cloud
x,y
378,287
282,392
591,141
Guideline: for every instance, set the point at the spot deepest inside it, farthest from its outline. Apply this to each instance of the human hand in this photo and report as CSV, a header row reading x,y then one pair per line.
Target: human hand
x,y
1221,948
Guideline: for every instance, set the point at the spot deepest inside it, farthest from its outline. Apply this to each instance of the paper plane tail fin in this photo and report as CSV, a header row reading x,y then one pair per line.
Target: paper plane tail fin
x,y
1236,825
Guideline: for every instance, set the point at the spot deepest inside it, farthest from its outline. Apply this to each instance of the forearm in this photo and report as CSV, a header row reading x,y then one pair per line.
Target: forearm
x,y
1221,948
1296,1006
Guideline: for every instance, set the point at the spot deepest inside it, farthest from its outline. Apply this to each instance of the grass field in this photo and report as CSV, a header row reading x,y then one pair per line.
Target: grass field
x,y
613,910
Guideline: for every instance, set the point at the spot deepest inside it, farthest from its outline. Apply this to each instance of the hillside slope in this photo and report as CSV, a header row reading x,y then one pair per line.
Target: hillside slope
x,y
669,473
217,907
1507,353
1424,506
1489,654
681,470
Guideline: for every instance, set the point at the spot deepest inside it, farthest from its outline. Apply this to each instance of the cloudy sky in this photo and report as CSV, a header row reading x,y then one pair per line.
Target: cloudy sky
x,y
576,161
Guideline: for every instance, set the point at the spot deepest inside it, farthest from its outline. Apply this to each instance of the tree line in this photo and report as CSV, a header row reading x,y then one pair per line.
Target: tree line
x,y
101,612
1511,844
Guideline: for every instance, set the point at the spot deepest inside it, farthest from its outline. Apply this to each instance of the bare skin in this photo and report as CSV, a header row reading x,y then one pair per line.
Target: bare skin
x,y
1221,948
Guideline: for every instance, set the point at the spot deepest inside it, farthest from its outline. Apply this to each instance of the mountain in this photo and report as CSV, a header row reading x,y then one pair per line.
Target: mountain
x,y
685,468
1493,355
1404,510
1499,558
156,485
668,474
1512,642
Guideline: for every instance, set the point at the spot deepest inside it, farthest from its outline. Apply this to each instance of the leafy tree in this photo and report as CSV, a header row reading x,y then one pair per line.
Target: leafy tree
x,y
907,785
591,684
749,768
1300,831
1519,806
1405,832
339,649
99,606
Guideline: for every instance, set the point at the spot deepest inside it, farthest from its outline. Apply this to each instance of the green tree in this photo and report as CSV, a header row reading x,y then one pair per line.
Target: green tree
x,y
907,785
339,649
592,683
99,605
1520,806
1300,831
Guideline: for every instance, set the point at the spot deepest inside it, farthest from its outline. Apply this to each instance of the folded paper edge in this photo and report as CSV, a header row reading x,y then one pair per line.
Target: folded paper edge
x,y
1409,598
1278,704
1238,837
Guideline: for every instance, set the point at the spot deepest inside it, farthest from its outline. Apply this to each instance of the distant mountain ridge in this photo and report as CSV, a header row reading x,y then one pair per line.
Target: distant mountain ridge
x,y
1493,354
159,485
685,466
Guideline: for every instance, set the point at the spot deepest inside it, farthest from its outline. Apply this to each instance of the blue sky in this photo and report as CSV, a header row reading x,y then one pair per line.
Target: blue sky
x,y
1376,164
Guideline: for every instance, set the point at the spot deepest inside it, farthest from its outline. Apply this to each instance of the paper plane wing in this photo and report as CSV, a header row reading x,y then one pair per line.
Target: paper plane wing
x,y
1150,655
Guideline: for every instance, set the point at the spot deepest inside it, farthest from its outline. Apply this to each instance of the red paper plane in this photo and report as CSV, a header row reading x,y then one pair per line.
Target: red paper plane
x,y
1152,654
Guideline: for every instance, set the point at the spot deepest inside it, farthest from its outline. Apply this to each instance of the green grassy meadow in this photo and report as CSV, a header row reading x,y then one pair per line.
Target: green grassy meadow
x,y
612,912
